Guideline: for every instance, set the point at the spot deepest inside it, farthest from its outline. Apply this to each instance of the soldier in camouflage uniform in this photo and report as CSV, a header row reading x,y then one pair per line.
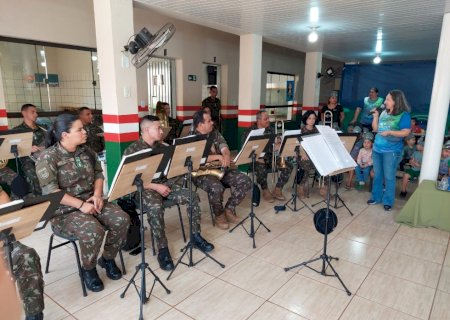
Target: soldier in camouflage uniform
x,y
70,166
263,165
95,138
155,192
214,104
29,114
239,182
27,271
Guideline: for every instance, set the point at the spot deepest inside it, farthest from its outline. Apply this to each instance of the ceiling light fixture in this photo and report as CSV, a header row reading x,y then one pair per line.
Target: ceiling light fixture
x,y
314,15
313,35
377,59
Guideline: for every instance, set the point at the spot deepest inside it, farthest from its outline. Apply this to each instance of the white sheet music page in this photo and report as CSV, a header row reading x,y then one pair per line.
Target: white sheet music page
x,y
319,153
338,149
256,132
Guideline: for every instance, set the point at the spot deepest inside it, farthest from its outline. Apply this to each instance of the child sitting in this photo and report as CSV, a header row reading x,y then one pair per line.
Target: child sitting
x,y
444,165
408,150
415,128
364,161
414,171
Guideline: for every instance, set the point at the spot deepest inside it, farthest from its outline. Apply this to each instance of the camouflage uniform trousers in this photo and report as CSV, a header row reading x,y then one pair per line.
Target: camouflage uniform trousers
x,y
7,175
90,230
28,274
29,171
154,206
239,182
261,170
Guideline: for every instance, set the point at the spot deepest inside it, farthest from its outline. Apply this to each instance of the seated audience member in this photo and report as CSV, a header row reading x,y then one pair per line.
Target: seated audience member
x,y
414,171
408,150
364,161
444,165
68,165
415,128
155,193
336,110
263,165
239,182
28,274
95,138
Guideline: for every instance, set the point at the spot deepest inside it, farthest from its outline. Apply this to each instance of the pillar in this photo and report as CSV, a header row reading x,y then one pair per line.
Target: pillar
x,y
311,87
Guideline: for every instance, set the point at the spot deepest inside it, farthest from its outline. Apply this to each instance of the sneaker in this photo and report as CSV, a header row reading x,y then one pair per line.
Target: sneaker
x,y
387,208
403,194
362,183
371,202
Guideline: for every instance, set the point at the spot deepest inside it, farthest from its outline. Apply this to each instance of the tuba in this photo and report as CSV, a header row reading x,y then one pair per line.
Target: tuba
x,y
328,118
163,119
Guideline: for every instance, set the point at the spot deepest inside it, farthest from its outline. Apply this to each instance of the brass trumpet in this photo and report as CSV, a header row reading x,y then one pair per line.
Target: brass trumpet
x,y
212,168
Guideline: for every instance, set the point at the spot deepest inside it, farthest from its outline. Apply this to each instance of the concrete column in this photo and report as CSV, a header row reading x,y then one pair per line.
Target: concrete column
x,y
311,87
250,57
440,99
3,118
118,87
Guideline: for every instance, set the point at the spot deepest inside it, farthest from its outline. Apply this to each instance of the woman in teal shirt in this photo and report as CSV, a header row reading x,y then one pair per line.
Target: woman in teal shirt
x,y
392,125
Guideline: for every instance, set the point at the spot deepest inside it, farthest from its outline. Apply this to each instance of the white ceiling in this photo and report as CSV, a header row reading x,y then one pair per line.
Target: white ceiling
x,y
348,28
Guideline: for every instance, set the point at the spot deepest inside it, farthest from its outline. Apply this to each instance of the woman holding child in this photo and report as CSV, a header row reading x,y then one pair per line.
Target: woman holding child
x,y
392,125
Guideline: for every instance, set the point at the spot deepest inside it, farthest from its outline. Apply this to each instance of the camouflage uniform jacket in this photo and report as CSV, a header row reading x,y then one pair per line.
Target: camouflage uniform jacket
x,y
214,105
72,172
38,134
95,139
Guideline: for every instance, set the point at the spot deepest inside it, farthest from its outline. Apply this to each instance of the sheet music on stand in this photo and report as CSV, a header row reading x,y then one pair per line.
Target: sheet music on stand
x,y
187,125
327,152
289,141
348,139
253,133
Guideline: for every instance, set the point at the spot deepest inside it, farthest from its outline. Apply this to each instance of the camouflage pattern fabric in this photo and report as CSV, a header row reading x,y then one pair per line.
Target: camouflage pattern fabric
x,y
28,274
153,201
95,139
90,230
262,169
28,165
215,105
7,175
75,174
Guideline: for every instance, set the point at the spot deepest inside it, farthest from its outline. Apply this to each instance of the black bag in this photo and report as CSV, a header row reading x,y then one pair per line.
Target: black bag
x,y
133,235
300,175
256,197
320,221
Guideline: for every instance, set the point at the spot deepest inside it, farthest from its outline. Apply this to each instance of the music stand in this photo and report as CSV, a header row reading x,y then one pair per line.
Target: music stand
x,y
166,131
348,140
186,129
18,219
254,147
291,146
187,157
17,143
130,176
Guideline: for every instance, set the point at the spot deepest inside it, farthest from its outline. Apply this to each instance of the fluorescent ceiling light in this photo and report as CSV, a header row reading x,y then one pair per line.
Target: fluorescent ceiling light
x,y
378,46
314,14
313,36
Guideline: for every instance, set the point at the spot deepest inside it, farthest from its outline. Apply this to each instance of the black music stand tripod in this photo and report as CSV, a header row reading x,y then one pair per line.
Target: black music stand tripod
x,y
326,259
188,248
143,266
251,215
336,196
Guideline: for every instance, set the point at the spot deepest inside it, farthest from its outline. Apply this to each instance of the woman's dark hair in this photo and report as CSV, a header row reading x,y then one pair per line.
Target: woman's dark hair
x,y
62,123
400,102
306,115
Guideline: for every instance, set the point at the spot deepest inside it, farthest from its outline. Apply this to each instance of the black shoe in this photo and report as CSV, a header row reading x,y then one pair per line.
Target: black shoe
x,y
403,194
371,202
39,316
112,271
165,260
202,244
92,280
387,208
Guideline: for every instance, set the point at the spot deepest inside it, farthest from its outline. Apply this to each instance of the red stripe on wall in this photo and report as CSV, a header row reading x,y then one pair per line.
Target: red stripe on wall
x,y
123,118
189,108
247,112
3,113
121,137
142,108
229,116
3,128
229,107
307,108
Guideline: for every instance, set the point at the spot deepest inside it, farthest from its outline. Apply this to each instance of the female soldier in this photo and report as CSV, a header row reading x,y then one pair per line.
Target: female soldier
x,y
69,166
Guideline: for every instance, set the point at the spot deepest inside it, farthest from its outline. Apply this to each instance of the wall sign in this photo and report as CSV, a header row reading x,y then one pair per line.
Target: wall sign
x,y
192,77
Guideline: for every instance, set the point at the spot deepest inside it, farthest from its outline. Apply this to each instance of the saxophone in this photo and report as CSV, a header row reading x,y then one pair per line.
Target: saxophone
x,y
212,168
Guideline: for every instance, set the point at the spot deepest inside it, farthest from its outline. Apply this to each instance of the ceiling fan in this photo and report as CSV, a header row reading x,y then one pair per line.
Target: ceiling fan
x,y
145,44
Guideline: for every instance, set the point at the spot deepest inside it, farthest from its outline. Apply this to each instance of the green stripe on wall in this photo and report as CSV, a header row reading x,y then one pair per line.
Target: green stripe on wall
x,y
114,151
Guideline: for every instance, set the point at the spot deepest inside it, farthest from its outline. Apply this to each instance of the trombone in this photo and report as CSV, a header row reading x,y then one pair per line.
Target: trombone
x,y
328,118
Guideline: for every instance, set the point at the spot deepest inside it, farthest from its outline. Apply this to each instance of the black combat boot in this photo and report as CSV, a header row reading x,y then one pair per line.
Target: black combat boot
x,y
165,260
202,244
92,280
38,316
112,271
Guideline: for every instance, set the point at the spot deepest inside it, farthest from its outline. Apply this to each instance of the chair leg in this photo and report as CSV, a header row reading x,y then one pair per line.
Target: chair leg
x,y
181,222
212,212
124,271
50,245
80,270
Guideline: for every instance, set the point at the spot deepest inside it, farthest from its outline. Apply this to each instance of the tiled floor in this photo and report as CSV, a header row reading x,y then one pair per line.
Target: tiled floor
x,y
393,271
